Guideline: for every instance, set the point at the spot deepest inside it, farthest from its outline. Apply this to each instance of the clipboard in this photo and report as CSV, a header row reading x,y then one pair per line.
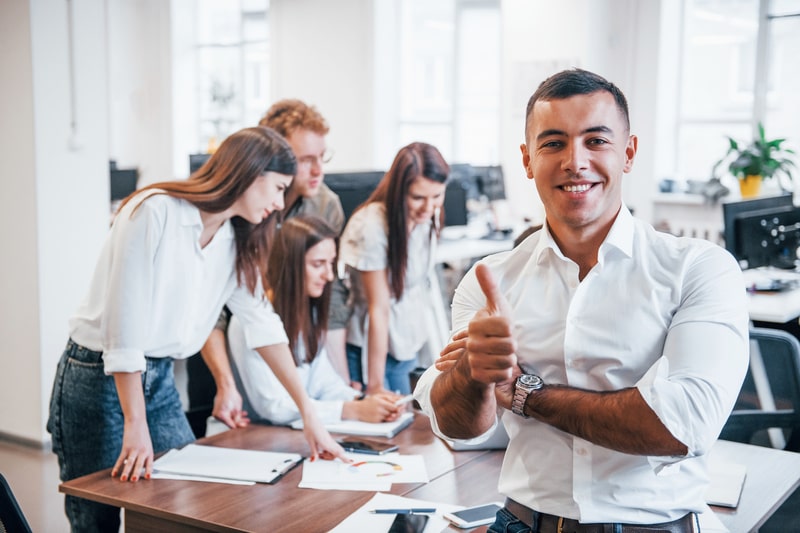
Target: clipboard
x,y
227,463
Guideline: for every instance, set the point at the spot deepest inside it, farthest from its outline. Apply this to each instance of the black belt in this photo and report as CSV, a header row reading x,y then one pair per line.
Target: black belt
x,y
547,523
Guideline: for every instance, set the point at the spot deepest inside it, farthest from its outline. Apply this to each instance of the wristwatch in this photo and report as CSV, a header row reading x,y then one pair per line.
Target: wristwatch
x,y
526,384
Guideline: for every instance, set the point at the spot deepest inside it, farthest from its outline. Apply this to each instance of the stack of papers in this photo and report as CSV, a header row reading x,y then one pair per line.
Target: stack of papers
x,y
356,427
224,465
366,472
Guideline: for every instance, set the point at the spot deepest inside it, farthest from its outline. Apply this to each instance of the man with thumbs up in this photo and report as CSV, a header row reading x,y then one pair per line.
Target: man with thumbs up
x,y
613,353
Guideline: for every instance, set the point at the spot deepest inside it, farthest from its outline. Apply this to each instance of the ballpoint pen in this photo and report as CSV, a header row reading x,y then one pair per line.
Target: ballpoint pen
x,y
419,510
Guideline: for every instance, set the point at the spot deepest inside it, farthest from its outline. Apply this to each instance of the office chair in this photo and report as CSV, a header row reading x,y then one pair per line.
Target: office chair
x,y
11,518
767,411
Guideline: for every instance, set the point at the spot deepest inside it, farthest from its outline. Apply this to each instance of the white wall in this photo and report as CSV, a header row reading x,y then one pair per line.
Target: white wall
x,y
55,182
140,88
323,53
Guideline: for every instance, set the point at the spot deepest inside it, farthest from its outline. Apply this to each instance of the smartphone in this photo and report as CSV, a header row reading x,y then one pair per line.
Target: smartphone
x,y
409,523
474,516
373,447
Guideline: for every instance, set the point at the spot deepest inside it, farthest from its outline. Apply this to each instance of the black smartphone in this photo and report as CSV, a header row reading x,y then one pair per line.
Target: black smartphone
x,y
409,523
373,447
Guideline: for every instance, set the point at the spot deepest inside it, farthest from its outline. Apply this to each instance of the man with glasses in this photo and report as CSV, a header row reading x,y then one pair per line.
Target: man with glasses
x,y
305,129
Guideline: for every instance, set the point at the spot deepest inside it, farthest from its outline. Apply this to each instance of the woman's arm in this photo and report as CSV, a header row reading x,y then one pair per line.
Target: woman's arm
x,y
228,401
137,448
376,290
280,360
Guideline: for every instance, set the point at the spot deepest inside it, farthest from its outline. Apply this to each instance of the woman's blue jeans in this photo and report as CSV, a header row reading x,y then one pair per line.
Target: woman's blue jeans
x,y
396,374
86,423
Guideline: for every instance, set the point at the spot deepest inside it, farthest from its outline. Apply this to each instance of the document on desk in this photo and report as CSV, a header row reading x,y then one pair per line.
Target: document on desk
x,y
196,460
363,520
366,472
366,429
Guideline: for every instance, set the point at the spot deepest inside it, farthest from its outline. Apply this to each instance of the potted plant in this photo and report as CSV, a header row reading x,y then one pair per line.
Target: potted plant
x,y
761,159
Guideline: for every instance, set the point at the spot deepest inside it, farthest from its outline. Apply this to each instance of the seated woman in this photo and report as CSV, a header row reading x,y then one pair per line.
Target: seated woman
x,y
298,283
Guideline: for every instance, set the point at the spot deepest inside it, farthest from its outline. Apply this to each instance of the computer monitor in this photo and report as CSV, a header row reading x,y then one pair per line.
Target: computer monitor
x,y
490,182
353,188
763,231
123,182
196,161
455,202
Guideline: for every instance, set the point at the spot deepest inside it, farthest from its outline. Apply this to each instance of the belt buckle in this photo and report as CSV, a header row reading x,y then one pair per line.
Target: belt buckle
x,y
560,525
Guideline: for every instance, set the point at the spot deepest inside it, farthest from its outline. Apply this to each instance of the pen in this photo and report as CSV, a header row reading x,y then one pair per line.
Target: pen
x,y
404,400
419,510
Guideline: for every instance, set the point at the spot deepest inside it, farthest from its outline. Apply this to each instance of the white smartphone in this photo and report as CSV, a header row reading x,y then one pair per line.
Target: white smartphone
x,y
479,515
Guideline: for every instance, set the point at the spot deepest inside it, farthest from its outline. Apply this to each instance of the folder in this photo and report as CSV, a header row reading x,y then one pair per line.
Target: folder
x,y
227,463
366,429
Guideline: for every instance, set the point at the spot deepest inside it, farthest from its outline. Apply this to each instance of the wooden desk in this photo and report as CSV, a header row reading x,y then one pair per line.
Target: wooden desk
x,y
180,506
465,478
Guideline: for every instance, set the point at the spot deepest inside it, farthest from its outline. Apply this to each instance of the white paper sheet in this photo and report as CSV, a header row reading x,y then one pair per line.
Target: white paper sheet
x,y
363,520
367,472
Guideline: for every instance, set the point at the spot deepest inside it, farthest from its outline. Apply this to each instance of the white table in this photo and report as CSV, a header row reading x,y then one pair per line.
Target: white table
x,y
777,307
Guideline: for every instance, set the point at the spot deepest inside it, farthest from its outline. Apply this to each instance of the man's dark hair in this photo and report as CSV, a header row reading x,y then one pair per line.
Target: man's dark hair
x,y
572,83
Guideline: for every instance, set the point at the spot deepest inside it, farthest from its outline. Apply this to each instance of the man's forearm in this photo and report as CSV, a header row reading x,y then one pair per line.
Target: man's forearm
x,y
619,420
464,408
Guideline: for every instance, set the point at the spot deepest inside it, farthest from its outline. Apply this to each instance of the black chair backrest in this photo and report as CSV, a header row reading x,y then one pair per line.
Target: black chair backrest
x,y
767,411
11,518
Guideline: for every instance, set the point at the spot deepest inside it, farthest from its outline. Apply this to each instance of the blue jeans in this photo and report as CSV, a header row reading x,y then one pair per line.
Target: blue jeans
x,y
86,423
506,522
396,375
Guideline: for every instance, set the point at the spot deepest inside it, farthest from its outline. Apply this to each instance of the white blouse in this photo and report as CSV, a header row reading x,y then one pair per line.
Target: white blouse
x,y
364,247
265,398
156,292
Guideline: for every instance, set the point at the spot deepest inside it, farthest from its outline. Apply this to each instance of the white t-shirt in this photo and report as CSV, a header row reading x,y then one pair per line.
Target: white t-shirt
x,y
364,247
155,292
266,399
664,314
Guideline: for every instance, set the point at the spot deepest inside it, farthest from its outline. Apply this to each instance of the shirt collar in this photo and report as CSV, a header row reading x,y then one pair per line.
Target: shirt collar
x,y
620,236
190,216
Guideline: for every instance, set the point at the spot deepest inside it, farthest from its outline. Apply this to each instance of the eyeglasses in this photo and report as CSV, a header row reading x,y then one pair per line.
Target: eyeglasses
x,y
309,160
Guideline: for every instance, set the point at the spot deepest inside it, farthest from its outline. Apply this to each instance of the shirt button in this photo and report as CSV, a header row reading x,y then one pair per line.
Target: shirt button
x,y
581,451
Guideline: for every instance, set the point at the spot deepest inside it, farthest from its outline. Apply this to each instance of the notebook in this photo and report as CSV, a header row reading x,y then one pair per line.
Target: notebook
x,y
227,463
366,429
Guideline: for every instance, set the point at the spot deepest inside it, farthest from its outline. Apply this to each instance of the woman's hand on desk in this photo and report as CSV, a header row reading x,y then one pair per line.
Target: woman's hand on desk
x,y
228,408
319,440
136,456
374,408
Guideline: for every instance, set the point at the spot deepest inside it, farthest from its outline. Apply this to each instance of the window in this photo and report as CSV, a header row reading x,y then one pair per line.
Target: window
x,y
738,70
450,77
232,58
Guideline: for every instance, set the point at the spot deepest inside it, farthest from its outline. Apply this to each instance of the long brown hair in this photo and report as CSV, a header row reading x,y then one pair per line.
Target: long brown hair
x,y
214,187
286,280
412,161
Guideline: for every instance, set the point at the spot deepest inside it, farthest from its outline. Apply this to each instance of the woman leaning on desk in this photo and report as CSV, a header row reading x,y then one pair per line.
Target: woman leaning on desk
x,y
298,280
177,252
388,249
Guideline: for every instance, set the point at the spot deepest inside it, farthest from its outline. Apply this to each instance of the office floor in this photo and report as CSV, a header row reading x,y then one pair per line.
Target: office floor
x,y
33,476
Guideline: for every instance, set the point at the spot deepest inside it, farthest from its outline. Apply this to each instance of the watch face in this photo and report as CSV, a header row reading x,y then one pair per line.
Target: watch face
x,y
530,380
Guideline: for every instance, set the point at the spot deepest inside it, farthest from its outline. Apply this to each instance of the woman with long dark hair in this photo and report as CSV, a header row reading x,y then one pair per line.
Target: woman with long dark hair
x,y
176,253
388,251
298,281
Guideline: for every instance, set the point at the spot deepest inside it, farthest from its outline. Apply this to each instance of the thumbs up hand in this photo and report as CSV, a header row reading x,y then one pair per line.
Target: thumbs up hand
x,y
491,348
